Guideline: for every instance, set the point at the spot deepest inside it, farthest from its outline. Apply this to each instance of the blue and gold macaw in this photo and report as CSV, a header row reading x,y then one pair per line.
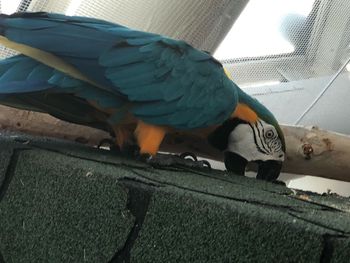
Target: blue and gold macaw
x,y
133,84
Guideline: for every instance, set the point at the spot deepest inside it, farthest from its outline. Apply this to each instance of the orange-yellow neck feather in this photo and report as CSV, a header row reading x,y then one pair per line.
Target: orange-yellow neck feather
x,y
244,112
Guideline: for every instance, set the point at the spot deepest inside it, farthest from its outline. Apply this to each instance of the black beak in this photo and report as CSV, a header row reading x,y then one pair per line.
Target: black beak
x,y
235,163
268,170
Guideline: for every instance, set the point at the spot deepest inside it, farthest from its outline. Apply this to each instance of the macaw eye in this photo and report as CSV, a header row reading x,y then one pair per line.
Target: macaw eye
x,y
269,134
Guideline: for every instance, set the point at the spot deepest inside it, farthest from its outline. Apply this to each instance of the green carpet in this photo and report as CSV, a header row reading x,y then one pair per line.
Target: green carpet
x,y
65,202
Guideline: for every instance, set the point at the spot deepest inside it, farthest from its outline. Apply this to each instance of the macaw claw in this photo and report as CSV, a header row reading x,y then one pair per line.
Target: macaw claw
x,y
127,149
194,157
161,159
187,159
108,143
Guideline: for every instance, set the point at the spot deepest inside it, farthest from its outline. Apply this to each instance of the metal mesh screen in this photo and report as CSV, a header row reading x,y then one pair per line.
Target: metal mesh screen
x,y
283,52
316,43
201,23
304,80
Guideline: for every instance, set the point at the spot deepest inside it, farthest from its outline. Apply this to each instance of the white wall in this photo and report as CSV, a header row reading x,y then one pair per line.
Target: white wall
x,y
289,100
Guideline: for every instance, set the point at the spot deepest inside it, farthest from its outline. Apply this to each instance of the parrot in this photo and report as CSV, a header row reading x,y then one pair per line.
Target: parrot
x,y
138,86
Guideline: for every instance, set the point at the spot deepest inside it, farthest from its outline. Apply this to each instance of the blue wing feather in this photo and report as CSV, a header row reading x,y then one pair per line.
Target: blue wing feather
x,y
167,81
24,75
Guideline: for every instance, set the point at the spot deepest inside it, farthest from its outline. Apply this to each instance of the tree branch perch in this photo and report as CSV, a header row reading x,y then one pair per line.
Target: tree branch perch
x,y
310,151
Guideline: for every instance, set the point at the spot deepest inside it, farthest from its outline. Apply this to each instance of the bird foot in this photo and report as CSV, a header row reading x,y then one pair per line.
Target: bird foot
x,y
129,150
108,143
161,160
186,159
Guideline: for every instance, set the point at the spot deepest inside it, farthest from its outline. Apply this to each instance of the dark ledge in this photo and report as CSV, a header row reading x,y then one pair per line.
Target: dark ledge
x,y
61,201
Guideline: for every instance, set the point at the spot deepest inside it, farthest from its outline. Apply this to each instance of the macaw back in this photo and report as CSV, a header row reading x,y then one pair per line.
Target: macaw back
x,y
158,80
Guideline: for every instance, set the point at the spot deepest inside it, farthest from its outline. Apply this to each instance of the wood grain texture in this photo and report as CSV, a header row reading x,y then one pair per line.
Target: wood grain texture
x,y
310,151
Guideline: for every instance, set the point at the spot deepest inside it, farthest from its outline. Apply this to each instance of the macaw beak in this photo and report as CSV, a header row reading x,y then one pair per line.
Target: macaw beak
x,y
268,170
235,163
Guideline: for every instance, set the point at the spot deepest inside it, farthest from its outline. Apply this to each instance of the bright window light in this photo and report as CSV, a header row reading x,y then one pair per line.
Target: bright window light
x,y
261,84
257,31
348,67
73,7
9,7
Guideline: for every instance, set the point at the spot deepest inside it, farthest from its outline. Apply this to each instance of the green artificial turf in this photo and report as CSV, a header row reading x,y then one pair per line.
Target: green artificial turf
x,y
61,201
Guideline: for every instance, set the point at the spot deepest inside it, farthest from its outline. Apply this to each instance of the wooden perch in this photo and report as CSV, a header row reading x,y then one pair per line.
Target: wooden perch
x,y
45,125
310,151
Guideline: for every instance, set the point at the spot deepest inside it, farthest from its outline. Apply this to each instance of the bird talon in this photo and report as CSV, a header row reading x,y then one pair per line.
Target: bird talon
x,y
126,150
144,157
174,160
189,154
206,163
106,142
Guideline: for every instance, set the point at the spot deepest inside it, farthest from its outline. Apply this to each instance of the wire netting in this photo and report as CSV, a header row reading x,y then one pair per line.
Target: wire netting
x,y
317,46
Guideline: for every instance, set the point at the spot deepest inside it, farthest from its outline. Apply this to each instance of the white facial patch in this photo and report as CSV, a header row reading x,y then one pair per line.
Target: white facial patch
x,y
254,142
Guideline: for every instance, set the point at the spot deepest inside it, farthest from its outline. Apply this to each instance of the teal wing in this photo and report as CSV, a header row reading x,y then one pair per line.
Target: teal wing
x,y
167,82
170,82
31,85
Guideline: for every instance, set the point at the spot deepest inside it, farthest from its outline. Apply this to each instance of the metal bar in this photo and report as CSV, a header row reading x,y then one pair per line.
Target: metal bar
x,y
322,92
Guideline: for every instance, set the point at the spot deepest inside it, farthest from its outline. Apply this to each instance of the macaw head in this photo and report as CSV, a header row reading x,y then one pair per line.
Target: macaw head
x,y
252,134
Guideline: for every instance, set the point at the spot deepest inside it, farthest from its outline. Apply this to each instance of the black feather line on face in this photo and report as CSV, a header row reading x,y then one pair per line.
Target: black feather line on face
x,y
263,138
219,137
256,141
